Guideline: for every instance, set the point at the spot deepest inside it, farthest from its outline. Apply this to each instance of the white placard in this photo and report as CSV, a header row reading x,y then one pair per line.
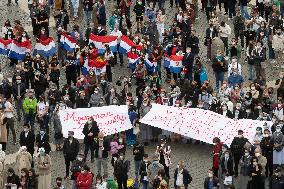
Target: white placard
x,y
199,124
110,119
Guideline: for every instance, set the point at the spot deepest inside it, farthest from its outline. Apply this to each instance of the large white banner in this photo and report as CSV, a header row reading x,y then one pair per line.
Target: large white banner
x,y
110,119
199,124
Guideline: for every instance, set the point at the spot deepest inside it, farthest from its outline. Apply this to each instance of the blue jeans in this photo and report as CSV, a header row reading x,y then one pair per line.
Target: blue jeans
x,y
271,53
30,119
145,184
137,168
244,12
219,76
88,15
251,72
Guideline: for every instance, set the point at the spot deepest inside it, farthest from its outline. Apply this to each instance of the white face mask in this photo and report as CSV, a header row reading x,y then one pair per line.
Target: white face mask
x,y
210,175
278,130
80,159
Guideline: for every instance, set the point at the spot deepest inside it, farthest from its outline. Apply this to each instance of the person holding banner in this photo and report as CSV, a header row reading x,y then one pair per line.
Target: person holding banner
x,y
90,131
237,148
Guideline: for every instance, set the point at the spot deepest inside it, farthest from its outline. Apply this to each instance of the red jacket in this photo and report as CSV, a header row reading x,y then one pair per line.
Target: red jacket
x,y
84,181
217,149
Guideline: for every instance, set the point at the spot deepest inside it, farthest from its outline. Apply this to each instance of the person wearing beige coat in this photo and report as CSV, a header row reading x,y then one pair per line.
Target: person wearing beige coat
x,y
3,129
2,167
43,164
23,160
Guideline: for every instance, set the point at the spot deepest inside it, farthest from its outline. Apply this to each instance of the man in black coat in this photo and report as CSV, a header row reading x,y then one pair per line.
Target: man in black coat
x,y
237,148
27,138
121,169
138,152
193,42
70,150
42,140
143,170
19,90
187,62
91,132
183,173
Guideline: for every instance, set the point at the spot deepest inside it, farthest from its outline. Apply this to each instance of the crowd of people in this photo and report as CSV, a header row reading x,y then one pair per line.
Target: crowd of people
x,y
38,87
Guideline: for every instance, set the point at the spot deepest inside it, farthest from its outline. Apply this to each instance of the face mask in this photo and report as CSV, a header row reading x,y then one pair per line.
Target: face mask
x,y
162,145
42,153
246,154
59,184
26,130
140,3
96,91
23,174
18,81
255,163
210,175
278,130
226,155
240,136
226,99
89,122
266,135
80,159
252,88
257,154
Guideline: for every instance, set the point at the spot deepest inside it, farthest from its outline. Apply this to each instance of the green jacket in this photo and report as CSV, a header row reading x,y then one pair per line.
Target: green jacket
x,y
30,106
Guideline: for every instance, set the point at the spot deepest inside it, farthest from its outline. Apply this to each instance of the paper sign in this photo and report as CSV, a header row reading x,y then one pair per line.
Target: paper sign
x,y
110,119
199,124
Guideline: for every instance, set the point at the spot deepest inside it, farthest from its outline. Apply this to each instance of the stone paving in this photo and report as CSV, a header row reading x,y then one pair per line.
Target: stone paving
x,y
198,157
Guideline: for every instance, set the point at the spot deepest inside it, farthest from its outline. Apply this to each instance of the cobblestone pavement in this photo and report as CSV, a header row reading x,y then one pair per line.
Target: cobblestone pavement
x,y
197,157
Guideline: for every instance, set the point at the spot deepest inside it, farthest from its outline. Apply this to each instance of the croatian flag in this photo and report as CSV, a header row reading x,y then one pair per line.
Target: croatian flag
x,y
18,49
68,42
166,61
101,41
133,60
45,48
5,46
176,63
125,45
150,66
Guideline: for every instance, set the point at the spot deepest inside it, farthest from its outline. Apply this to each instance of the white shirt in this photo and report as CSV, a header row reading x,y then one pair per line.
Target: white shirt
x,y
225,31
42,107
179,181
9,106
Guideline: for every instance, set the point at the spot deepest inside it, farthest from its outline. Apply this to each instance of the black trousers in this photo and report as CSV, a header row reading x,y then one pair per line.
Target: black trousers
x,y
241,36
67,164
237,159
122,182
89,146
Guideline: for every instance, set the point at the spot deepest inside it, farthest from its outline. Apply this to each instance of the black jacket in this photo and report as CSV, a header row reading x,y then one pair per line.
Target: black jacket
x,y
138,152
94,129
105,151
32,183
217,67
143,169
186,177
71,150
266,145
237,146
230,166
121,168
188,60
22,90
14,179
43,143
28,141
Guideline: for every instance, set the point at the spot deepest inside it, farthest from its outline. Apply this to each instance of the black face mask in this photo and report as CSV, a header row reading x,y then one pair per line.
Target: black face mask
x,y
59,184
